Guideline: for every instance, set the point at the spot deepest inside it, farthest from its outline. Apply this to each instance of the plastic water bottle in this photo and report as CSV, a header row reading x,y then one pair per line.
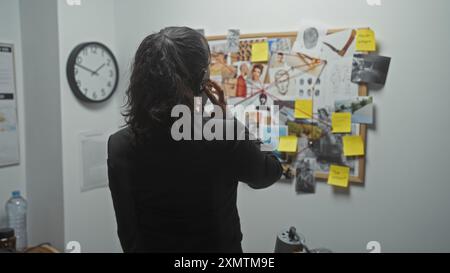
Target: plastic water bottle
x,y
16,210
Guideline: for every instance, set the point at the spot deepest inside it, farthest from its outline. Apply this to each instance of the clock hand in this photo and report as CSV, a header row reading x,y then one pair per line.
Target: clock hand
x,y
98,69
87,69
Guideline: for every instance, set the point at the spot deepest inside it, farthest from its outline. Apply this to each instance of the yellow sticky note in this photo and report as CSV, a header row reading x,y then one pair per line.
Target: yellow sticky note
x,y
303,109
338,176
260,52
341,122
288,144
353,145
365,40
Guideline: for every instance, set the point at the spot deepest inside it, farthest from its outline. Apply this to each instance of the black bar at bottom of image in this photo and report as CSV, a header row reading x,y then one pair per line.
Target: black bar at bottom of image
x,y
237,263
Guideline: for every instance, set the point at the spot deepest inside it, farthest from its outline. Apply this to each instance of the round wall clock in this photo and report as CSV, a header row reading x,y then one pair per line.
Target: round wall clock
x,y
92,72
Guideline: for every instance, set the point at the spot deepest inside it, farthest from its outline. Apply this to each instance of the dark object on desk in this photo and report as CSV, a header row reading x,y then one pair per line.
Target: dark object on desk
x,y
289,241
7,239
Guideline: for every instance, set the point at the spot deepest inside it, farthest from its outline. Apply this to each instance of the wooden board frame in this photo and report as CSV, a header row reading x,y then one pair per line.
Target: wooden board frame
x,y
363,91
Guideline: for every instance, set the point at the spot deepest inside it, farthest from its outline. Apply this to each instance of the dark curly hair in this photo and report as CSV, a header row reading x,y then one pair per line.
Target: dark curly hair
x,y
169,69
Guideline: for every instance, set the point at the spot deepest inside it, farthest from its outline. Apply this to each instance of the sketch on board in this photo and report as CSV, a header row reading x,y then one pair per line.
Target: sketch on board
x,y
337,79
310,41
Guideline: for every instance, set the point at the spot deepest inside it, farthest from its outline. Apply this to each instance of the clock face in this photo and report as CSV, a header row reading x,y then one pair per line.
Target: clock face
x,y
92,72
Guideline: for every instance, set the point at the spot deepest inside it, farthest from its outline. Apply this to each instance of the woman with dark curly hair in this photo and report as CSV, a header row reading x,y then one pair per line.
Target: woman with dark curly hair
x,y
178,196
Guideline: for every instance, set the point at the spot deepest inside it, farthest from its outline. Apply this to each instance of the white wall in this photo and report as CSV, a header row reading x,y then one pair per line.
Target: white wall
x,y
89,217
43,118
13,178
404,202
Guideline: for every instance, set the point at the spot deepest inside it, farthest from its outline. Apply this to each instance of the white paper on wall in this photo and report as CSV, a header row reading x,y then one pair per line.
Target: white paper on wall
x,y
93,160
9,134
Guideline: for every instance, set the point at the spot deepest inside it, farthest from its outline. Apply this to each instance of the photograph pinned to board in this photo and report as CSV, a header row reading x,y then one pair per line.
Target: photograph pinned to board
x,y
234,71
285,111
330,150
257,78
298,127
370,69
278,60
258,119
247,83
221,70
233,40
328,147
305,181
243,72
282,45
287,161
361,109
271,137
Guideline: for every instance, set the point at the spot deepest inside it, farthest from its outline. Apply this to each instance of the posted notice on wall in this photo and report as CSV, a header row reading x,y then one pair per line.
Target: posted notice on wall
x,y
9,135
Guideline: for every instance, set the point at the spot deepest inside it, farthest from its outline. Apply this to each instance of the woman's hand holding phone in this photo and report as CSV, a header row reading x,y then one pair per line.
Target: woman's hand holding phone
x,y
215,94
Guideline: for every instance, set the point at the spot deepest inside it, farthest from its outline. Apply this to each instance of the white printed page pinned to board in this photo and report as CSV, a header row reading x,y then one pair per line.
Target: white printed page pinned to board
x,y
9,136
